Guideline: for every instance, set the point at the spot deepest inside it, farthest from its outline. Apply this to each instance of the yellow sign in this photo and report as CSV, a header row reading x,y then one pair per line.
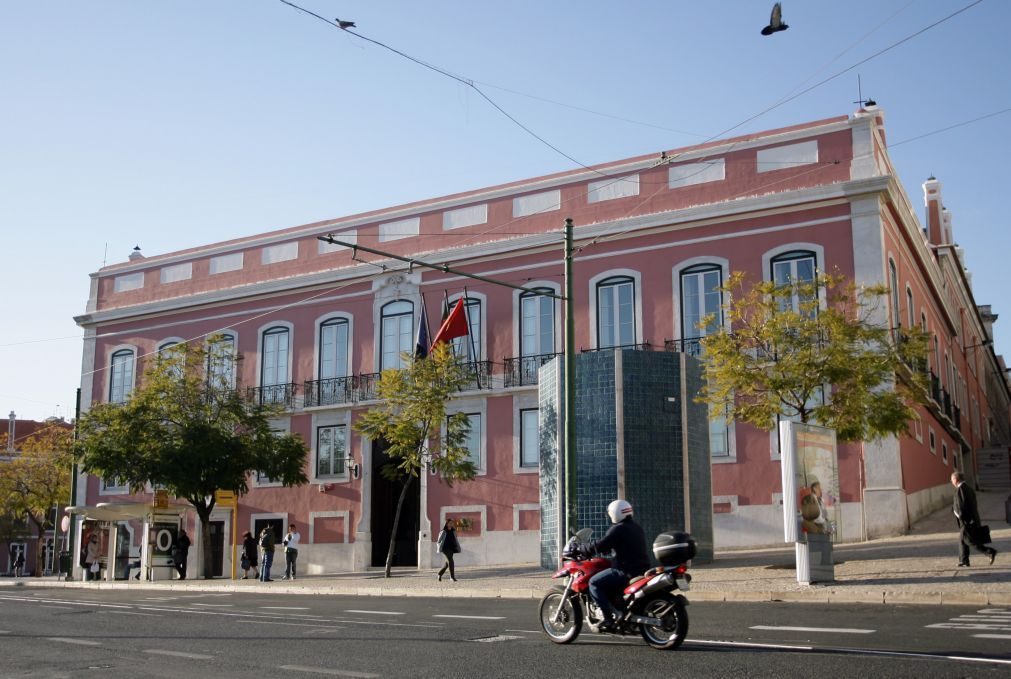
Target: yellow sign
x,y
160,499
225,498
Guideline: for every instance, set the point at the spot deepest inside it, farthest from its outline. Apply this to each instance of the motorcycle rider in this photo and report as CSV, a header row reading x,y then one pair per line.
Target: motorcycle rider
x,y
628,542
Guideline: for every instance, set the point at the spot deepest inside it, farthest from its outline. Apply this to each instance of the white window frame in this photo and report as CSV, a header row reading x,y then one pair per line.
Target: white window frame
x,y
128,388
318,347
260,333
480,344
114,487
636,303
234,363
517,339
343,476
472,407
280,425
380,329
521,403
931,440
773,257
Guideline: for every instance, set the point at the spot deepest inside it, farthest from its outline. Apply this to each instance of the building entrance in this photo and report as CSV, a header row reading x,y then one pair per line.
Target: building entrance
x,y
385,494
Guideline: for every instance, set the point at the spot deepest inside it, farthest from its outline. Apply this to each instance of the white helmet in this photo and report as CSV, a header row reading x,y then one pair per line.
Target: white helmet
x,y
619,510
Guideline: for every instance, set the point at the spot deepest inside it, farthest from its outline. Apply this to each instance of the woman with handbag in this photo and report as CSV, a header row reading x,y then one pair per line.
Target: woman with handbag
x,y
91,560
448,546
248,559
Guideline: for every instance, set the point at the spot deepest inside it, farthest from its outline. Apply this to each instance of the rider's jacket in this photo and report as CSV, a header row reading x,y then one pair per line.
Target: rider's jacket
x,y
628,541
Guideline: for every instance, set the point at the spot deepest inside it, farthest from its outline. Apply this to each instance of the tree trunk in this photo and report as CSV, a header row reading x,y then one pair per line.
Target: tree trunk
x,y
204,513
396,524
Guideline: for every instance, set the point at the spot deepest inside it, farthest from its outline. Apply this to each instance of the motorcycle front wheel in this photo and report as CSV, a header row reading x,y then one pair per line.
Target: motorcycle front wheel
x,y
566,628
674,629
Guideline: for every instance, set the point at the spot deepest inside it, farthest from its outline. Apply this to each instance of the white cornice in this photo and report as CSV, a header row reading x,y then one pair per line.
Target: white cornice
x,y
630,227
479,196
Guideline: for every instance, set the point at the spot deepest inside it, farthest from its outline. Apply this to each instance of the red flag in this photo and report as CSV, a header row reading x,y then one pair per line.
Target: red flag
x,y
454,326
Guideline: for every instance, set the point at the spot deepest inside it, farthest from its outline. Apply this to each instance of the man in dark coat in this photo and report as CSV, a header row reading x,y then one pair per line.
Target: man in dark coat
x,y
180,552
967,518
628,542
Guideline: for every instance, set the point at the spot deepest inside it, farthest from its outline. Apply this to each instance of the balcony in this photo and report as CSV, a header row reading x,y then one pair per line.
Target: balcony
x,y
645,346
365,387
330,391
478,373
274,394
686,345
522,371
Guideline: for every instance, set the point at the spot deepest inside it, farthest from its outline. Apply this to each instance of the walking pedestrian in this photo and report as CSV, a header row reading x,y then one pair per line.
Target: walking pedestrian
x,y
291,539
967,519
180,552
448,546
19,564
248,561
267,547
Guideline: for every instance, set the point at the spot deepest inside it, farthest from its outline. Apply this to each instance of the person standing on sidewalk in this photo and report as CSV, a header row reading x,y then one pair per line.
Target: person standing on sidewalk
x,y
290,552
249,556
180,552
448,546
967,518
91,558
267,547
19,564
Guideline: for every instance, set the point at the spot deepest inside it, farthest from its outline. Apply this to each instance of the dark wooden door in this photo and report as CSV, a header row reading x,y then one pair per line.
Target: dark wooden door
x,y
385,494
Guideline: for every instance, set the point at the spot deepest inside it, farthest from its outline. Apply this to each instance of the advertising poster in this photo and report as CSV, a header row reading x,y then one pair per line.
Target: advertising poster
x,y
810,466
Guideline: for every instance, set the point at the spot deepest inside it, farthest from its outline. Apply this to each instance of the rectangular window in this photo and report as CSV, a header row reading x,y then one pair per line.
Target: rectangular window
x,y
696,173
333,349
279,253
473,440
616,313
113,485
221,362
529,439
932,440
944,451
893,282
537,325
700,298
330,447
719,437
345,236
403,228
130,281
121,378
468,347
612,188
177,272
794,270
225,263
465,216
536,203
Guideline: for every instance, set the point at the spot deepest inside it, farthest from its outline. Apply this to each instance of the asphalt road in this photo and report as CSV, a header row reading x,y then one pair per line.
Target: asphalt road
x,y
82,633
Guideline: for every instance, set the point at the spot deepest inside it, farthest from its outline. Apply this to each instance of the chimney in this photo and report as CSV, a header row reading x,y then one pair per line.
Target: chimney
x,y
10,432
938,224
136,254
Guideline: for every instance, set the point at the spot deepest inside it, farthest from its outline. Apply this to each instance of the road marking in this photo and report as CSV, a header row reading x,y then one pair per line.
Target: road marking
x,y
285,608
179,654
992,636
471,617
62,608
525,631
153,615
327,670
214,605
287,624
847,651
79,642
497,637
830,630
376,612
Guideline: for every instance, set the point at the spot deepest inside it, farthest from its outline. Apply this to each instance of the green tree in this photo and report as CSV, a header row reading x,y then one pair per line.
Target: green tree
x,y
186,429
813,350
410,420
36,479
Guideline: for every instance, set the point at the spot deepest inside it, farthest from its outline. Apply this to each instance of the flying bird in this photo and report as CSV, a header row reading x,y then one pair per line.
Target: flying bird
x,y
775,21
345,24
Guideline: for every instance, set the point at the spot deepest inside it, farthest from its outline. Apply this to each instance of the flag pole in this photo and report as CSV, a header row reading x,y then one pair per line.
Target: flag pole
x,y
470,336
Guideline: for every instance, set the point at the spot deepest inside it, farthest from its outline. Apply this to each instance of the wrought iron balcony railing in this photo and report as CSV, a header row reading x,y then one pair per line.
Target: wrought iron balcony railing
x,y
274,394
686,345
329,391
479,375
644,346
365,387
522,370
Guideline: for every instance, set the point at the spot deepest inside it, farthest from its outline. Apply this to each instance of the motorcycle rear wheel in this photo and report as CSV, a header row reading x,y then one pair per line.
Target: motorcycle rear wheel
x,y
570,619
675,628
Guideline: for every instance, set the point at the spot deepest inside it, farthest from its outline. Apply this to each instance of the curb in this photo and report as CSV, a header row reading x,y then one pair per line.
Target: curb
x,y
813,595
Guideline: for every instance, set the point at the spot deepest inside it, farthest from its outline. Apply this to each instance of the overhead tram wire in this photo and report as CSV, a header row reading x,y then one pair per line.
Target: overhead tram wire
x,y
950,127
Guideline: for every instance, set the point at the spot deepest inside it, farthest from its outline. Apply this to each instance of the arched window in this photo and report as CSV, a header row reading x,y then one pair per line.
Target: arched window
x,y
333,348
794,268
121,377
537,324
616,312
700,297
274,358
468,347
910,312
169,349
893,283
397,333
221,361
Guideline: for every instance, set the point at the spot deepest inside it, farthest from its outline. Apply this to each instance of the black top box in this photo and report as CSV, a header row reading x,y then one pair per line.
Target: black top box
x,y
673,548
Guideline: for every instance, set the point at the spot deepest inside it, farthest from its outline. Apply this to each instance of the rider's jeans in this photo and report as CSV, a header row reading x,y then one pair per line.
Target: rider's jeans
x,y
603,584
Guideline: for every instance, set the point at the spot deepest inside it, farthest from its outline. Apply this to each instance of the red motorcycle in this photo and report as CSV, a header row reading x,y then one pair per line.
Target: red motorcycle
x,y
651,604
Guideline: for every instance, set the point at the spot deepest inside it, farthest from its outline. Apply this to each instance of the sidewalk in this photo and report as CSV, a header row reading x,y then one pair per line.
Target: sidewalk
x,y
918,568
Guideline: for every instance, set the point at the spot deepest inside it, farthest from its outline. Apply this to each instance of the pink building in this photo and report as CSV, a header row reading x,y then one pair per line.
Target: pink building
x,y
315,323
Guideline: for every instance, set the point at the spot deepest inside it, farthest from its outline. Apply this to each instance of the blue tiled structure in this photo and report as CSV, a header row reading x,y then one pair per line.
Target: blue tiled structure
x,y
635,430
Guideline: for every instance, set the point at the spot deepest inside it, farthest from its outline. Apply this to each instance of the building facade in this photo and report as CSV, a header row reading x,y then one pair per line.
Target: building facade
x,y
315,323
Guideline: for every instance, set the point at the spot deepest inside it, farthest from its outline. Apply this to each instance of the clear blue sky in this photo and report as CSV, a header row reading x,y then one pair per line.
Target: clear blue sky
x,y
178,123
